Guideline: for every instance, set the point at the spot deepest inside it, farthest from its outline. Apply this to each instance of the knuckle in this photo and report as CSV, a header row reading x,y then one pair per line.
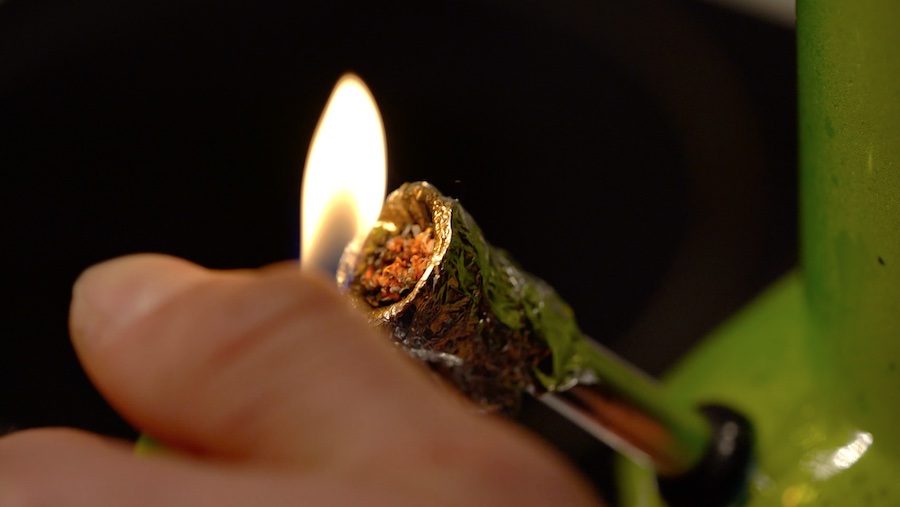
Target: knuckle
x,y
266,317
248,346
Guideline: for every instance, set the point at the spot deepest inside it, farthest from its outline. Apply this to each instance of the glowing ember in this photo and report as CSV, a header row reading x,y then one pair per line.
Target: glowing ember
x,y
392,264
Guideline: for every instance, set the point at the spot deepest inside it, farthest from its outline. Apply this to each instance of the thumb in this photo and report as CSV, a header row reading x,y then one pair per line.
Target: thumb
x,y
269,365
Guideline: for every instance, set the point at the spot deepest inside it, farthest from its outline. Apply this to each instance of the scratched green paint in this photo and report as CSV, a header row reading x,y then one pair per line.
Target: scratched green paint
x,y
815,361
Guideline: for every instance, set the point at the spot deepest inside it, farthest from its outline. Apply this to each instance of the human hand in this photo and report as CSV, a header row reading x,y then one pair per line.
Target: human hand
x,y
272,391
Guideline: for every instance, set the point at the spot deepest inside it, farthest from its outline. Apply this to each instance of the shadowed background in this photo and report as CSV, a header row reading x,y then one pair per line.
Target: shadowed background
x,y
640,157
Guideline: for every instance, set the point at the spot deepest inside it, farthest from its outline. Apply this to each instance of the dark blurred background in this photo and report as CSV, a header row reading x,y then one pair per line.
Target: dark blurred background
x,y
638,155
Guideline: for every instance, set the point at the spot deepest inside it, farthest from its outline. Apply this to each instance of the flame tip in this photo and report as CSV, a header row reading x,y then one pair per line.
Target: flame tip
x,y
346,168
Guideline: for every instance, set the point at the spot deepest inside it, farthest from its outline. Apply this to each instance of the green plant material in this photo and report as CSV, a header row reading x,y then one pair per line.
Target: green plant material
x,y
474,315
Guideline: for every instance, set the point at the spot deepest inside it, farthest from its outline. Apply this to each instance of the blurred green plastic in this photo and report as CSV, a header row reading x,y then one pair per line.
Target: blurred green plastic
x,y
815,361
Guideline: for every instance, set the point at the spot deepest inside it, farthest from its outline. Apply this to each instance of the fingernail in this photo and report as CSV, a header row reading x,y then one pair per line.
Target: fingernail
x,y
115,293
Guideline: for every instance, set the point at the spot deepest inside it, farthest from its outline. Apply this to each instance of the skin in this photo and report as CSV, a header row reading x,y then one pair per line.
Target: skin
x,y
272,391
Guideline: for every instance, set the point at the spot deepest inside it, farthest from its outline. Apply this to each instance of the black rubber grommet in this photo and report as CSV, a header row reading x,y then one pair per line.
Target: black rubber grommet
x,y
720,478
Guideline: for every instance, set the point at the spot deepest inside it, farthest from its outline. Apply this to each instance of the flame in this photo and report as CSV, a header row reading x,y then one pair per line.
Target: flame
x,y
345,175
